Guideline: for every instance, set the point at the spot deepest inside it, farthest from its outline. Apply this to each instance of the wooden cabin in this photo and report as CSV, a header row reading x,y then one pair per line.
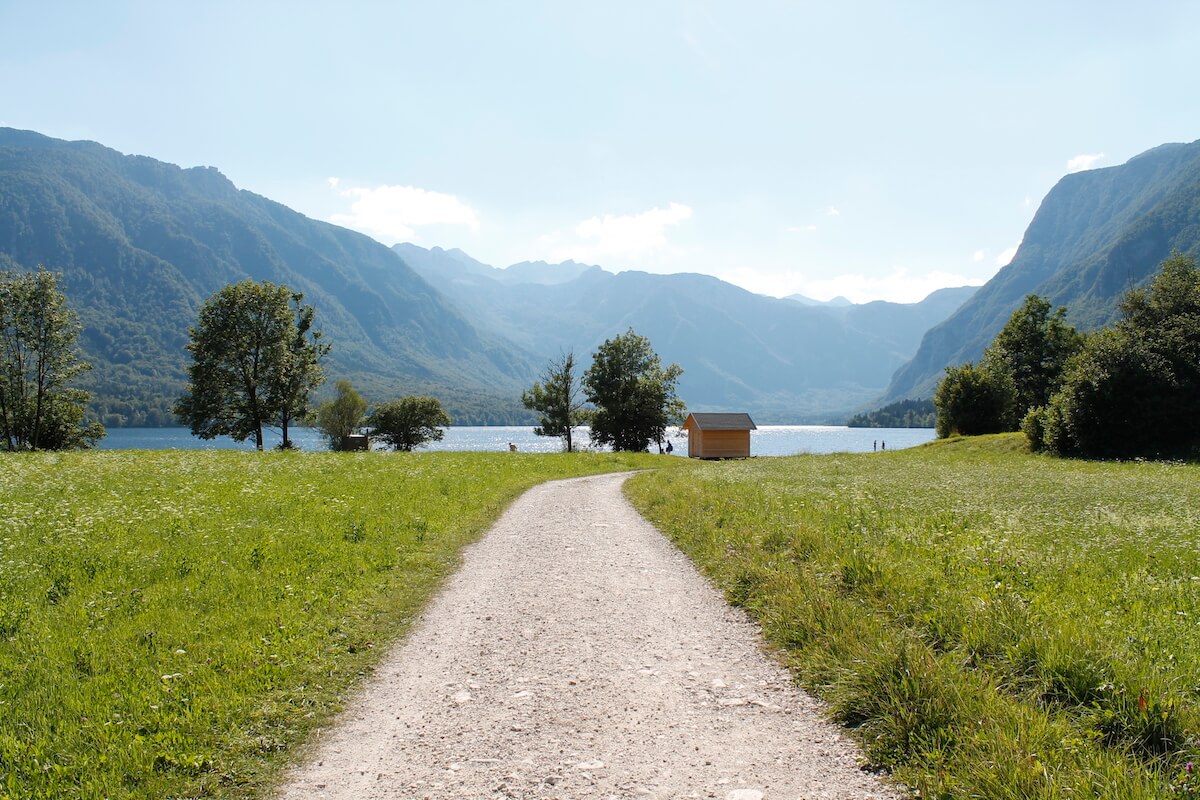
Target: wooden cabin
x,y
719,435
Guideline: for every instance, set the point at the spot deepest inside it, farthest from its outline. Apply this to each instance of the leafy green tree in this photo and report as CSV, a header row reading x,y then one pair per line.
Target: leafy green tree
x,y
973,400
1034,347
254,360
340,418
301,370
556,398
409,422
38,359
1019,371
634,394
1134,389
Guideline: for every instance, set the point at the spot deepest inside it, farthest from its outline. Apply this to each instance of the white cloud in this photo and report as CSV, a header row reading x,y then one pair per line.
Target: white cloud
x,y
833,212
977,256
393,213
1083,161
624,238
333,182
1006,257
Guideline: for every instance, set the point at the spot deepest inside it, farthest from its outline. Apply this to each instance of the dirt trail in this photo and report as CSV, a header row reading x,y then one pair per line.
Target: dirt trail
x,y
578,654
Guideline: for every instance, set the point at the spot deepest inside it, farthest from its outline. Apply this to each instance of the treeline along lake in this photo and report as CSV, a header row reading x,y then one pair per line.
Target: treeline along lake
x,y
768,440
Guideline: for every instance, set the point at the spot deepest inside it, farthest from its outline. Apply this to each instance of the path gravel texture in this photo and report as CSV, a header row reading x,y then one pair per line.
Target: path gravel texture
x,y
578,654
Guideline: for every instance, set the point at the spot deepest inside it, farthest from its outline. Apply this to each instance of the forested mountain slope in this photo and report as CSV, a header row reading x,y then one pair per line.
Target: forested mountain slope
x,y
142,244
1096,235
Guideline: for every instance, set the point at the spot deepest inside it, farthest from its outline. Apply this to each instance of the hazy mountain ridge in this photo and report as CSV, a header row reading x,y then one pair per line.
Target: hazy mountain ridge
x,y
776,358
1096,235
837,302
142,243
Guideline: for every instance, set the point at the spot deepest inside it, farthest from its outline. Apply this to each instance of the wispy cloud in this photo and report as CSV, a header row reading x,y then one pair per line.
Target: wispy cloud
x,y
1083,161
394,213
622,238
977,256
1005,258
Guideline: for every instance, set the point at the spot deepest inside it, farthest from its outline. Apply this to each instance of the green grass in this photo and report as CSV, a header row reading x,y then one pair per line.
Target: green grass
x,y
993,624
172,624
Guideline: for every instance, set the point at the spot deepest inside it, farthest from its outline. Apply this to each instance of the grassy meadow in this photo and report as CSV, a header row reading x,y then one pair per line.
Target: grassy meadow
x,y
173,623
993,624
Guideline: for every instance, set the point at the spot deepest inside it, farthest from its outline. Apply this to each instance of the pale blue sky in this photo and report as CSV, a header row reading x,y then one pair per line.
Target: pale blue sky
x,y
870,149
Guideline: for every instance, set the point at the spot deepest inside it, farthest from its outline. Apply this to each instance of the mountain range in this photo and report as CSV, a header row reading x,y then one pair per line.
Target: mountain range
x,y
1096,235
782,360
142,243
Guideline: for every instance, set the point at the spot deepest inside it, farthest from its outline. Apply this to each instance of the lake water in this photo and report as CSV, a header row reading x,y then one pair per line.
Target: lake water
x,y
768,440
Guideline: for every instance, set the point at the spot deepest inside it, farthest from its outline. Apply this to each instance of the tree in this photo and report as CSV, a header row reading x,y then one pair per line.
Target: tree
x,y
973,400
633,393
38,359
1133,389
556,399
1034,347
301,370
409,422
1019,371
342,417
254,361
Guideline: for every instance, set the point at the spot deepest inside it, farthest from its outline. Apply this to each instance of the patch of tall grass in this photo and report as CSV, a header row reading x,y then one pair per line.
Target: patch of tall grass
x,y
993,624
173,623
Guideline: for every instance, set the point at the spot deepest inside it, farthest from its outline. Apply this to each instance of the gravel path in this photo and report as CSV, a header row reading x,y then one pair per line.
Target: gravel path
x,y
578,654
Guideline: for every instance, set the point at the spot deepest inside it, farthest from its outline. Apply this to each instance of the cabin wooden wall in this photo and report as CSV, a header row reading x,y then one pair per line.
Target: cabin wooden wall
x,y
718,444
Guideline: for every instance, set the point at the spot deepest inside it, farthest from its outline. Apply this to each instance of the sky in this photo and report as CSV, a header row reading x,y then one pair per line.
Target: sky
x,y
872,150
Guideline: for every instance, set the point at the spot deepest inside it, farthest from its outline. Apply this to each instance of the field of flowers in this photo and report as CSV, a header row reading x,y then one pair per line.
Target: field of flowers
x,y
994,624
172,623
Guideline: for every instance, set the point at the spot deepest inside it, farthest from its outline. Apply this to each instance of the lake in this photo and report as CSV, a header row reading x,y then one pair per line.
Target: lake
x,y
768,440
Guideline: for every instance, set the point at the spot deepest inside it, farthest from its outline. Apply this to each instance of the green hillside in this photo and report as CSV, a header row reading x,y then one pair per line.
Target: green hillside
x,y
142,243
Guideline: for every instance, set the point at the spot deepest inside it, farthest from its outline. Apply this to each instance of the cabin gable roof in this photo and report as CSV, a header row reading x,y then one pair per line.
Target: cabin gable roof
x,y
720,422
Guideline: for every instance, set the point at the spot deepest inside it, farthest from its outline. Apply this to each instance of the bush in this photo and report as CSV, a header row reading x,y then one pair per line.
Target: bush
x,y
409,422
342,417
973,400
1132,391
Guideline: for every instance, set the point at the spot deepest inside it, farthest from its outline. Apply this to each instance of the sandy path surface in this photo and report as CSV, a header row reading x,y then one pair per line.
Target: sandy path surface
x,y
578,654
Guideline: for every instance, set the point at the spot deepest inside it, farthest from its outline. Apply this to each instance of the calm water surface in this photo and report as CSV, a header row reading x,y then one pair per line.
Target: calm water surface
x,y
768,440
